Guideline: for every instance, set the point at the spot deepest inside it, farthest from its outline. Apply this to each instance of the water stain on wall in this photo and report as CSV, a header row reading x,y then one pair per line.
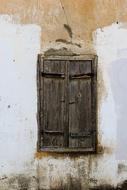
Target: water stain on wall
x,y
122,186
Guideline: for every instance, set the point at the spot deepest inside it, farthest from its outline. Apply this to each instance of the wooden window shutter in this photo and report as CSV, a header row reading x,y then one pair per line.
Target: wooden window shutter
x,y
53,103
81,129
67,104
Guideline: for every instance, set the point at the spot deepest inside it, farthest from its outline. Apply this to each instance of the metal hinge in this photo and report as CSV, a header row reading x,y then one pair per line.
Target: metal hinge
x,y
53,132
80,135
53,75
81,76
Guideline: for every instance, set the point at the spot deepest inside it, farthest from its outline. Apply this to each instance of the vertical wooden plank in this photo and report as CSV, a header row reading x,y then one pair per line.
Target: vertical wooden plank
x,y
66,127
94,102
38,102
41,69
80,105
54,104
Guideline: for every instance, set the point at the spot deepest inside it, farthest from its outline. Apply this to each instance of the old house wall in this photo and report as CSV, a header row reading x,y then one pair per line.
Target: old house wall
x,y
56,26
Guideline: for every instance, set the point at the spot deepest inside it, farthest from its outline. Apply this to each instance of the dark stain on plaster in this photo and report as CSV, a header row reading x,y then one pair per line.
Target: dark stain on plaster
x,y
69,30
59,52
3,178
122,186
122,168
72,184
23,182
77,186
68,42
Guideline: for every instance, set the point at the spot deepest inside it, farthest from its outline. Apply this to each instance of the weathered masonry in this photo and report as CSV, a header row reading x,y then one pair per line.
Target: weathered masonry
x,y
67,103
63,114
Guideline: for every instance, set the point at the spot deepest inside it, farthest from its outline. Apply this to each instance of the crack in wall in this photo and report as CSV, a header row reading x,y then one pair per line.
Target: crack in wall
x,y
67,25
62,5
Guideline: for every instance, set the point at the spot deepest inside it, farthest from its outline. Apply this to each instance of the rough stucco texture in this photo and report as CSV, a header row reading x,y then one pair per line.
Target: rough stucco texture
x,y
83,16
86,26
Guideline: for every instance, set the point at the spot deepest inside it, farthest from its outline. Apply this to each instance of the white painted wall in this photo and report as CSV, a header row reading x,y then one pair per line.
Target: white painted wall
x,y
19,46
111,46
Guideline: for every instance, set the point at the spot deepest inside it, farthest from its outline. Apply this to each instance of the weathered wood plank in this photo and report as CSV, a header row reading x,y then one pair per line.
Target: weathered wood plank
x,y
80,105
54,107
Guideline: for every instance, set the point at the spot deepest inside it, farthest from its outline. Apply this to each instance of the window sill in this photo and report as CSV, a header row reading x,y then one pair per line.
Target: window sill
x,y
69,150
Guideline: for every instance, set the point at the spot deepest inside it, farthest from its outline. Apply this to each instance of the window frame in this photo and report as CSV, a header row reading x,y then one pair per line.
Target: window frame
x,y
84,57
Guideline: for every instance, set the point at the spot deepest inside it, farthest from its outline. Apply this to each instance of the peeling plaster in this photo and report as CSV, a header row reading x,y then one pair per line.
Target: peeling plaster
x,y
101,169
103,34
83,17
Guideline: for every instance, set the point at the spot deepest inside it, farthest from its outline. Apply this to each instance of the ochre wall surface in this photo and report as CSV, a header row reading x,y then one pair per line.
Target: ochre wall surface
x,y
30,27
83,16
